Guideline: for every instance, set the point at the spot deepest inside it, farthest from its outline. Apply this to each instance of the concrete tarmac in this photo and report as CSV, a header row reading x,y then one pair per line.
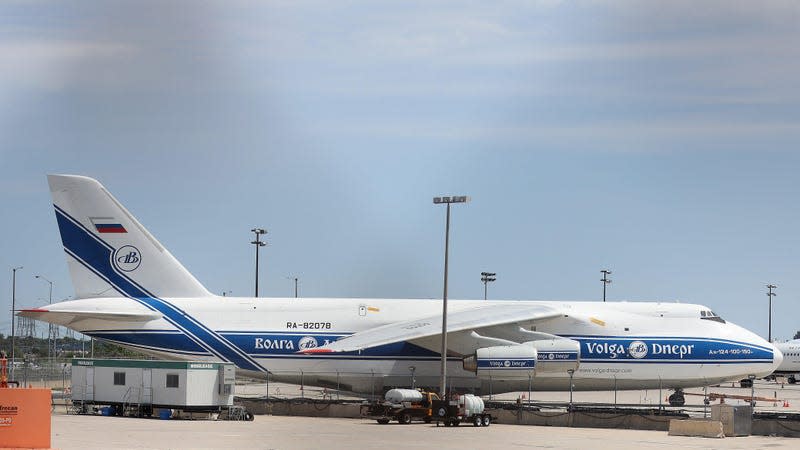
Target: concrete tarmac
x,y
276,432
281,432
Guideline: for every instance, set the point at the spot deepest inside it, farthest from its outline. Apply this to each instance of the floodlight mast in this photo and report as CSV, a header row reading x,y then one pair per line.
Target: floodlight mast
x,y
258,243
605,281
770,294
13,308
486,278
447,201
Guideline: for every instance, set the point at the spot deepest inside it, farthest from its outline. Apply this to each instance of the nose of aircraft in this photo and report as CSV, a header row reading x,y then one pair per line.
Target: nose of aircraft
x,y
777,357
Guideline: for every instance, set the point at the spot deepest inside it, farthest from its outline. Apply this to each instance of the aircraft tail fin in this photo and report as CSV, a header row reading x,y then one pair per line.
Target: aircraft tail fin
x,y
110,254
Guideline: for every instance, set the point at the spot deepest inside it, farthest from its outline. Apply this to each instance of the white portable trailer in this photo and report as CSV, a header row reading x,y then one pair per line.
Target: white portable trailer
x,y
139,386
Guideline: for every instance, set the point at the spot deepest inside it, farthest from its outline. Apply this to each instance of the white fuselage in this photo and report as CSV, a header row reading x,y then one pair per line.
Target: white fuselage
x,y
791,358
676,347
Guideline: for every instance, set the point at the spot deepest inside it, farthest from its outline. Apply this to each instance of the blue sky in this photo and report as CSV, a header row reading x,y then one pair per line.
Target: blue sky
x,y
656,139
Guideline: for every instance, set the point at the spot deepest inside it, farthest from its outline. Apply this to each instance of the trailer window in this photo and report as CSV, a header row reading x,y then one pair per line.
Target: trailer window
x,y
172,380
119,378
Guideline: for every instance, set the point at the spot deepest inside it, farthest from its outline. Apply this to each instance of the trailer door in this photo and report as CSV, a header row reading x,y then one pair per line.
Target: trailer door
x,y
147,386
89,384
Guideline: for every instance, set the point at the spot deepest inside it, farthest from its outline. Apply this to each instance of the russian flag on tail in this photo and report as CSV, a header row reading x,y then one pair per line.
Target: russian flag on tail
x,y
107,225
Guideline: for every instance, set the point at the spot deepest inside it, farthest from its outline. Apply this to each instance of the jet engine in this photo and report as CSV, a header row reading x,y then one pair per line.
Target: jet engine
x,y
518,362
506,362
556,355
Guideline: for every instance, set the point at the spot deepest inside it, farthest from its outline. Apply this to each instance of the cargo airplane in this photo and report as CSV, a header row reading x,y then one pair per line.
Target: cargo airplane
x,y
131,291
790,366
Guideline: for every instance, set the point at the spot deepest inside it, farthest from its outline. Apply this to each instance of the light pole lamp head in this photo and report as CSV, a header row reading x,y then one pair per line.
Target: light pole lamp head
x,y
451,199
259,231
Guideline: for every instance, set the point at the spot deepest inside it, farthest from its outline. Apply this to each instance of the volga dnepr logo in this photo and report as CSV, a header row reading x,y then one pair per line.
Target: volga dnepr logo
x,y
127,258
306,342
637,349
614,349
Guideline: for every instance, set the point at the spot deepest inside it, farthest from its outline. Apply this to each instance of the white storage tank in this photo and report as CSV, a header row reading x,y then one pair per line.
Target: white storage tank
x,y
403,395
471,405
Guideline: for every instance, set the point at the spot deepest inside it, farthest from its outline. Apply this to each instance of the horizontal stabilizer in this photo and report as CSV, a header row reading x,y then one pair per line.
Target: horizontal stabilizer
x,y
66,318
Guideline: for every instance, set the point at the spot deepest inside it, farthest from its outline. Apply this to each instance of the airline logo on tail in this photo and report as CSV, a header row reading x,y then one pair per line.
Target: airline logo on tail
x,y
127,258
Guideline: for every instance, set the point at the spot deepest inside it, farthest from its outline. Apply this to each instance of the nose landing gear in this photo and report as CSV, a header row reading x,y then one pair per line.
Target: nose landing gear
x,y
677,398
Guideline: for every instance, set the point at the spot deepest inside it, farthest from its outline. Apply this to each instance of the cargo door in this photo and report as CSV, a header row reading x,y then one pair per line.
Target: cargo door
x,y
147,386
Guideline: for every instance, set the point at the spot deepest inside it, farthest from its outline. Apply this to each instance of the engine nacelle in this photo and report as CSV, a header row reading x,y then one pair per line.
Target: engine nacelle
x,y
556,355
506,362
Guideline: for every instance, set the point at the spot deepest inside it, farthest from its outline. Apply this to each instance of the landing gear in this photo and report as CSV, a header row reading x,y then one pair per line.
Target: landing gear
x,y
677,398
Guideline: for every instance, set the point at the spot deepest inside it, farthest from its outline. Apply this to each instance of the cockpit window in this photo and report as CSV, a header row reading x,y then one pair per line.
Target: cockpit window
x,y
710,315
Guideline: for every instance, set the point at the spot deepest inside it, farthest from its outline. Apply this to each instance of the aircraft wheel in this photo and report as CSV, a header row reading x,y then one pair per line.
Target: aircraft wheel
x,y
677,399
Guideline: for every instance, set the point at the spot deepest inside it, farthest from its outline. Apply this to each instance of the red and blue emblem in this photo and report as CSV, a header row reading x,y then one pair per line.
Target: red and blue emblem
x,y
107,225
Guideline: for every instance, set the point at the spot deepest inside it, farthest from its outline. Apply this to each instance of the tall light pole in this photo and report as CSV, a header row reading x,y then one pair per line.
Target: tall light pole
x,y
770,294
486,278
447,201
258,243
13,308
605,281
50,326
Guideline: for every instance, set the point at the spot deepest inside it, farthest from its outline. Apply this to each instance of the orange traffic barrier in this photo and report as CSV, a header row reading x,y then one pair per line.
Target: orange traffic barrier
x,y
25,418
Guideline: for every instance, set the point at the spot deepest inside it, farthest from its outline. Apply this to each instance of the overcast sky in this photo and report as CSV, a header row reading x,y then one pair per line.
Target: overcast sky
x,y
655,139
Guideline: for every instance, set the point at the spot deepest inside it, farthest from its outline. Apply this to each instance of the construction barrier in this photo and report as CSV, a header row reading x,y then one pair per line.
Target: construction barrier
x,y
25,418
696,427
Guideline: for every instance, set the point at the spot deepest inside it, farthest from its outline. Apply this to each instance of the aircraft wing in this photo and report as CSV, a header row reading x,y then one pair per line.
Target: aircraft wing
x,y
67,317
474,319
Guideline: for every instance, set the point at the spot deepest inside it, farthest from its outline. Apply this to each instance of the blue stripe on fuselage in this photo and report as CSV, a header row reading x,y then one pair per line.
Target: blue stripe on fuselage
x,y
668,349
